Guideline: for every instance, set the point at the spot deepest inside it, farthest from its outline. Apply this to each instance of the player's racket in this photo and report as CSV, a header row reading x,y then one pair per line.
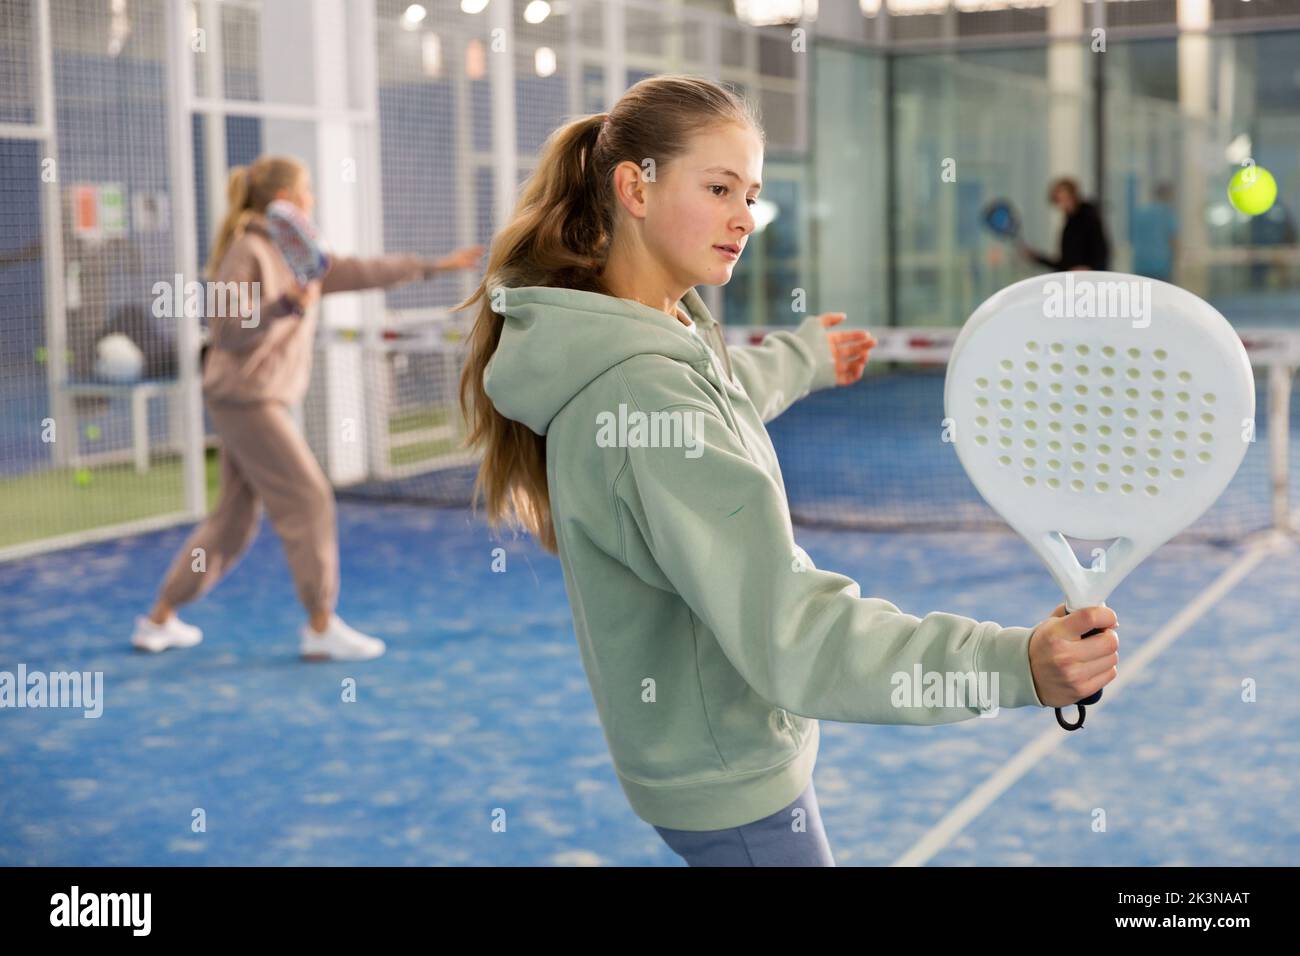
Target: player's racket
x,y
1001,219
295,236
1073,421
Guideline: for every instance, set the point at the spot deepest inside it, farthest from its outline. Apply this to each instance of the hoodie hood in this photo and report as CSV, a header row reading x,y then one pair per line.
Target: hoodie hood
x,y
557,341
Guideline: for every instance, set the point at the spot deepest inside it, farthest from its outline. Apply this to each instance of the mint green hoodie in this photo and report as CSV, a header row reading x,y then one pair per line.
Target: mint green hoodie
x,y
711,642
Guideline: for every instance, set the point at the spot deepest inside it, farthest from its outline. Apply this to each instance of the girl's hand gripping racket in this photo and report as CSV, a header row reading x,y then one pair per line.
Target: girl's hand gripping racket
x,y
1098,406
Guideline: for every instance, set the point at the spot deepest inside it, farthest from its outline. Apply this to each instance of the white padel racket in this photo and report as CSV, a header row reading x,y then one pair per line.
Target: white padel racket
x,y
1098,406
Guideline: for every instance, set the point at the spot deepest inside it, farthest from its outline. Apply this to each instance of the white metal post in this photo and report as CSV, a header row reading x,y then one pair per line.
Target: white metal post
x,y
185,244
1279,436
52,264
501,82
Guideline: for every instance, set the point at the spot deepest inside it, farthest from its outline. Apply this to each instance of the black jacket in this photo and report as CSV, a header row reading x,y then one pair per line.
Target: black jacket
x,y
1083,242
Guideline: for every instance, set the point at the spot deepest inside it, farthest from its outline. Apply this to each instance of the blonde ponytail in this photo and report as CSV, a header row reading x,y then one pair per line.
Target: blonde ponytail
x,y
249,190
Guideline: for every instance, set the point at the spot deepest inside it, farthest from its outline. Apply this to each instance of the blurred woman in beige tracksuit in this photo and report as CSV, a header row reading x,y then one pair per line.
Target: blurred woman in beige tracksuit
x,y
255,369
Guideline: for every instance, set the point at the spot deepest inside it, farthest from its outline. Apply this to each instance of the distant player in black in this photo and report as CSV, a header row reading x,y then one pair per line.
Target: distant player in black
x,y
1083,241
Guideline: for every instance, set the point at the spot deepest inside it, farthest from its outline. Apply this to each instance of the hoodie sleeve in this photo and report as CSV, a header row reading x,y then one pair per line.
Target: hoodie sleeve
x,y
785,367
717,527
349,273
241,317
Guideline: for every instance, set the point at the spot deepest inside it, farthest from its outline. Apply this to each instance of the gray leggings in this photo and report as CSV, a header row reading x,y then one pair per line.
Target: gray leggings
x,y
786,838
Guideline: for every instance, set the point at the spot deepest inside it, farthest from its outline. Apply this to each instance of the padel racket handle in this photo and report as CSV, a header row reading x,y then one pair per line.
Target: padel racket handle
x,y
1097,696
1092,699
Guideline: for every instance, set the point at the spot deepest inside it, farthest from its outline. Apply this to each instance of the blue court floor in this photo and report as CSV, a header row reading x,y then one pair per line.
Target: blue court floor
x,y
481,703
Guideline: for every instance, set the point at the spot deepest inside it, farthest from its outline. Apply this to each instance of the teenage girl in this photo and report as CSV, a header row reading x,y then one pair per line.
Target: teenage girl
x,y
257,365
711,642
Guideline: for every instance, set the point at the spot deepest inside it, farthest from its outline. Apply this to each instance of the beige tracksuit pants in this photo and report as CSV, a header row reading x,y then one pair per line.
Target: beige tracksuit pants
x,y
265,461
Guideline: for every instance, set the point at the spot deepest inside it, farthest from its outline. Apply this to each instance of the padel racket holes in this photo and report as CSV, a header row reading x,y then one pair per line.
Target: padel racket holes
x,y
1102,487
1056,348
1081,350
981,383
1208,398
1053,483
1176,473
1031,346
1207,418
1152,490
981,439
1134,354
1108,351
1076,485
1126,488
1057,368
1103,450
1160,355
1203,457
1103,468
1081,371
1029,480
1205,438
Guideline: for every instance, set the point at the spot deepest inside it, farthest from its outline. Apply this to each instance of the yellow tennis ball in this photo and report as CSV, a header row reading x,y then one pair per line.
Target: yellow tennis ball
x,y
1252,190
83,477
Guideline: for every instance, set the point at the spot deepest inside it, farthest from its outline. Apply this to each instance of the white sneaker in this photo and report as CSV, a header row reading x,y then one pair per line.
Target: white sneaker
x,y
158,637
338,642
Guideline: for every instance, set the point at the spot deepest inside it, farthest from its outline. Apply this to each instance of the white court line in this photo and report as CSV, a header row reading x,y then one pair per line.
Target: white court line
x,y
942,833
